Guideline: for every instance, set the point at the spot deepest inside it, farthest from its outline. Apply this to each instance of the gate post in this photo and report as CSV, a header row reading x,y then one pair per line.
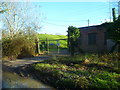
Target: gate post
x,y
58,46
47,46
37,46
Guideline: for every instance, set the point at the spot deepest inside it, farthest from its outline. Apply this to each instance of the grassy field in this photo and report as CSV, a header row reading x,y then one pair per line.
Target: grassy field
x,y
82,71
63,43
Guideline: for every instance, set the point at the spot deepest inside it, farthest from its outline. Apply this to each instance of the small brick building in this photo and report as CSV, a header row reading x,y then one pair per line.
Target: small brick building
x,y
93,39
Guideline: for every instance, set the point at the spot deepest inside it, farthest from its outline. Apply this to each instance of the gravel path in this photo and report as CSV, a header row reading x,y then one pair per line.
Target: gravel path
x,y
24,61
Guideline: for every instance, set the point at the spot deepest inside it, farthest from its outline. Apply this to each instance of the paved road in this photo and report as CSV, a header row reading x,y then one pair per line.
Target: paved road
x,y
22,62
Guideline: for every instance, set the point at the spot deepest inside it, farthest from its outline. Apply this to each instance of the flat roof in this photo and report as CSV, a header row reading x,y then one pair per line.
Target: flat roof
x,y
90,26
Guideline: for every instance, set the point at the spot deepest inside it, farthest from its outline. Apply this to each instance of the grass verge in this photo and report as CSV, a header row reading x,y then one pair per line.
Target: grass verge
x,y
82,71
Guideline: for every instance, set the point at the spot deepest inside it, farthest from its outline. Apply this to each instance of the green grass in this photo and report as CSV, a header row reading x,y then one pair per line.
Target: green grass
x,y
82,71
63,43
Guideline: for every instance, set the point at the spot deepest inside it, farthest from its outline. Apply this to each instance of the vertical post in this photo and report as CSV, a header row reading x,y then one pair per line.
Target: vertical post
x,y
37,46
47,46
118,8
58,46
58,49
88,22
114,14
110,10
68,40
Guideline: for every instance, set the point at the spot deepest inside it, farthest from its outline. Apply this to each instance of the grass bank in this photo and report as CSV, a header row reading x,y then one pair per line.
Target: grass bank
x,y
63,43
82,71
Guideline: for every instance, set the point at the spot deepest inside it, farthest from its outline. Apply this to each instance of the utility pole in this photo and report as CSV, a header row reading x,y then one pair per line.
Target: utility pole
x,y
114,14
88,22
110,10
118,8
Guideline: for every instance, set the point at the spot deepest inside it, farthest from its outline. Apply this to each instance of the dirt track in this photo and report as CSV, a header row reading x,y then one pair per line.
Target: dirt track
x,y
22,62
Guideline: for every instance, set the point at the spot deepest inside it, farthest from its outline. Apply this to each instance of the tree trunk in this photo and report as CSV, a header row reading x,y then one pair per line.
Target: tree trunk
x,y
72,50
68,42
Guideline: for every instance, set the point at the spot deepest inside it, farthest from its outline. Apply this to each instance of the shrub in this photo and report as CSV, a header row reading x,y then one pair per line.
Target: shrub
x,y
28,48
9,49
17,47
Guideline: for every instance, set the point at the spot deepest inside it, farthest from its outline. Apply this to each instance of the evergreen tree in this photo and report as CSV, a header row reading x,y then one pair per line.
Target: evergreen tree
x,y
73,35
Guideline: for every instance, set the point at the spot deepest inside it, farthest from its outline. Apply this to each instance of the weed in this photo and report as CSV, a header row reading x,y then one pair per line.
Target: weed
x,y
89,71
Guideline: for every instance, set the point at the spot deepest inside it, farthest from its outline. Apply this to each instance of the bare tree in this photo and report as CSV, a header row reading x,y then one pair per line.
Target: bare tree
x,y
16,18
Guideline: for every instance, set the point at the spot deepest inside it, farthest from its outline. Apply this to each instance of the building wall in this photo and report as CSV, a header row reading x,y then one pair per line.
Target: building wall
x,y
100,46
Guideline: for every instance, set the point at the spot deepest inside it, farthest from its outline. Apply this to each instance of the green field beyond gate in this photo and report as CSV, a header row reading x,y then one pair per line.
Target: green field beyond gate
x,y
52,43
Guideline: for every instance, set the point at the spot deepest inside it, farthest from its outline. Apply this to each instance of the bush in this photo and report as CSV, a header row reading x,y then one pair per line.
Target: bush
x,y
17,47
